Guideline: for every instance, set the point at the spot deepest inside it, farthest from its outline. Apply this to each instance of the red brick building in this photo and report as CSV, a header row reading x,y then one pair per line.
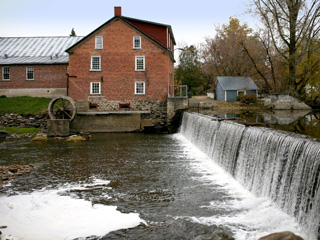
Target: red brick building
x,y
34,66
125,62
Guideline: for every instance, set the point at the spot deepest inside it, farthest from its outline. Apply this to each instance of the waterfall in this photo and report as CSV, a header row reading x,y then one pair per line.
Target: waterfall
x,y
281,166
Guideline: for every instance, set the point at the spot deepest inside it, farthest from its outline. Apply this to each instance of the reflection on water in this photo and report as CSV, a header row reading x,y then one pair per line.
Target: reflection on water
x,y
163,181
300,122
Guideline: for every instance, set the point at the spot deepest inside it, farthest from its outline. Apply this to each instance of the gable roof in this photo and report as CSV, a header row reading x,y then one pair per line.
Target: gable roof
x,y
237,83
128,21
35,50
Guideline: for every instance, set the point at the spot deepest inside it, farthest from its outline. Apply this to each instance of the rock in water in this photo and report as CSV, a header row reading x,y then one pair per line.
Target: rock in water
x,y
40,137
75,138
281,236
216,235
8,173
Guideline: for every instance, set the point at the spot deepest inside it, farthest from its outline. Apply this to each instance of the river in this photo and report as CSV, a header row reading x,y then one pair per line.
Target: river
x,y
128,186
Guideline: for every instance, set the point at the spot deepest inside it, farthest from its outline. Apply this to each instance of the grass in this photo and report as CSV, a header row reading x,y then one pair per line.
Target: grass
x,y
239,105
195,99
222,105
20,130
23,105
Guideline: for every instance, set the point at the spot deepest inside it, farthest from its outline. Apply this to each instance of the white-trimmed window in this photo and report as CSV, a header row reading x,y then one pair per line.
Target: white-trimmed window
x,y
95,88
96,63
30,73
98,42
137,42
140,63
6,73
139,88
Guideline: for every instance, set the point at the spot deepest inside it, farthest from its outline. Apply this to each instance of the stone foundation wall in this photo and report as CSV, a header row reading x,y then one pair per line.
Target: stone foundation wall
x,y
158,109
38,120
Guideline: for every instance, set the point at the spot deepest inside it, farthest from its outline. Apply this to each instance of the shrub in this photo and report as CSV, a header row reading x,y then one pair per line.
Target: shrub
x,y
250,98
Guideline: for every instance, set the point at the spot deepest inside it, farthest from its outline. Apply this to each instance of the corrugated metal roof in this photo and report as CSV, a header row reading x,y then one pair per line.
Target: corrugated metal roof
x,y
237,83
35,50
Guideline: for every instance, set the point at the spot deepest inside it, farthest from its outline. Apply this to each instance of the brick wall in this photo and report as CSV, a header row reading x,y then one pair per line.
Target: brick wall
x,y
45,76
118,75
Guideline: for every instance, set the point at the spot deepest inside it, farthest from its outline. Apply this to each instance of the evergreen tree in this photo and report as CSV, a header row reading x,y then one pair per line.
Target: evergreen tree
x,y
189,71
73,33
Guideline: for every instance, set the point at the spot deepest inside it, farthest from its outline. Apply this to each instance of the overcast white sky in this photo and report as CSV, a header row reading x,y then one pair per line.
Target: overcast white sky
x,y
191,21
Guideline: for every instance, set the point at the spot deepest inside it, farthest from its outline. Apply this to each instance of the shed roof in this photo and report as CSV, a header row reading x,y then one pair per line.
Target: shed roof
x,y
35,50
237,83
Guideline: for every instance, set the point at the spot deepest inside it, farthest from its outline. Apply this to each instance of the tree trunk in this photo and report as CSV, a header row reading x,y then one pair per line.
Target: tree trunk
x,y
293,7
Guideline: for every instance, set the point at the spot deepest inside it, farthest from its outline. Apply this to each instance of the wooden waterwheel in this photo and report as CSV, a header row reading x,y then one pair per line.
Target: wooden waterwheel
x,y
62,108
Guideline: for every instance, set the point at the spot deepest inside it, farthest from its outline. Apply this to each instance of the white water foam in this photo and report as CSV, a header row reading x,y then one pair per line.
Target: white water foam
x,y
47,215
247,216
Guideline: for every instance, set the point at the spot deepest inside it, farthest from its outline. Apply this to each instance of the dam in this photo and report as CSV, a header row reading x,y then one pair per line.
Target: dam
x,y
281,166
247,181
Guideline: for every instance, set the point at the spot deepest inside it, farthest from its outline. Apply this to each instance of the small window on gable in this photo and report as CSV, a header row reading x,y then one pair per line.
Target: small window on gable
x,y
99,42
139,88
95,63
140,63
95,88
6,73
137,42
30,73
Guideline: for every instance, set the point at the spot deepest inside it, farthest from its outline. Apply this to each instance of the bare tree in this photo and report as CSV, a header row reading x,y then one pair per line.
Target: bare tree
x,y
294,27
265,60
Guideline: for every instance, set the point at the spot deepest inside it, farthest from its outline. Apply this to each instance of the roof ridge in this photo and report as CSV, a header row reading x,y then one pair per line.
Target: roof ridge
x,y
44,37
146,21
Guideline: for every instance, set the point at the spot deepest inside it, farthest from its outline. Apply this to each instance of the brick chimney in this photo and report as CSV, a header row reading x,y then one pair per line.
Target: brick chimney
x,y
117,11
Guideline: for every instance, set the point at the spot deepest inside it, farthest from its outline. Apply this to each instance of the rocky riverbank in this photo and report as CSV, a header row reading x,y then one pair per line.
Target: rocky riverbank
x,y
222,235
38,120
8,173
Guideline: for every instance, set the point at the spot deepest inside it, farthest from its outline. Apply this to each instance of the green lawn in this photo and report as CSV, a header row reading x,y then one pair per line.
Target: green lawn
x,y
23,105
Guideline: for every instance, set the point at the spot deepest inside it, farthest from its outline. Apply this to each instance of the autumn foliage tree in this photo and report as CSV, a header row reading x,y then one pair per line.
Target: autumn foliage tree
x,y
223,54
236,50
282,56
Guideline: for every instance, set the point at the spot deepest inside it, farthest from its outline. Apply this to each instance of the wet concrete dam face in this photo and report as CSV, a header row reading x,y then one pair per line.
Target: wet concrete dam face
x,y
278,165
